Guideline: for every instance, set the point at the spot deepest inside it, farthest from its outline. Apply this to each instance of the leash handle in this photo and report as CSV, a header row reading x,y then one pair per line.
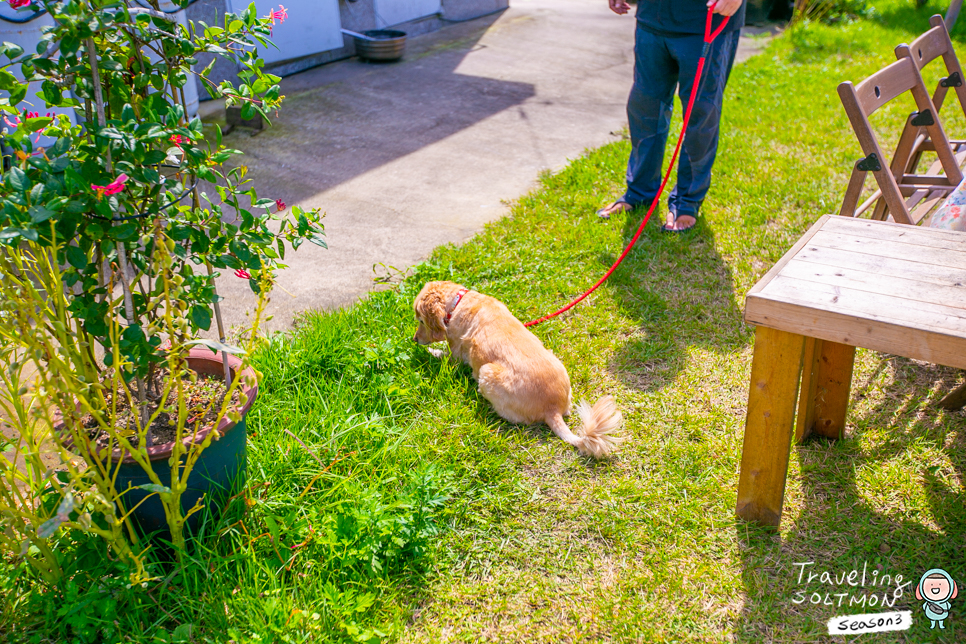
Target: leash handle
x,y
709,36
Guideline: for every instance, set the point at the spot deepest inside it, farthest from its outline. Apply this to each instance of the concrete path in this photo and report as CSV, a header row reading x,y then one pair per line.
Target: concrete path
x,y
406,156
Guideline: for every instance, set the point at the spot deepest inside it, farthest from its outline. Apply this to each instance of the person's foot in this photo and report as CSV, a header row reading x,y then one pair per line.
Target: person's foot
x,y
679,223
614,209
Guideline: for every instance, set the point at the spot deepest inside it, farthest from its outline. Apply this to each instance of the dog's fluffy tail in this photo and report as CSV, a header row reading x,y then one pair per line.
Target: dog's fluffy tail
x,y
599,424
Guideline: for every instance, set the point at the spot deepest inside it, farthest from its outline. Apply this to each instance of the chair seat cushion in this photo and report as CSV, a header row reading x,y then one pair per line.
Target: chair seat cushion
x,y
952,214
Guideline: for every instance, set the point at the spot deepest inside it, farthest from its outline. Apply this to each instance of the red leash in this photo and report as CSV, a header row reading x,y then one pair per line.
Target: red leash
x,y
709,37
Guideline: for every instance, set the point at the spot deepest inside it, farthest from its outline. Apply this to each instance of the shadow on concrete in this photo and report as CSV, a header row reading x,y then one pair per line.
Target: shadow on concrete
x,y
344,119
679,288
835,482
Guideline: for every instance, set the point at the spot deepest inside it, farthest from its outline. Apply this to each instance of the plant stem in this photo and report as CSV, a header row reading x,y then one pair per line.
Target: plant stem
x,y
221,325
121,250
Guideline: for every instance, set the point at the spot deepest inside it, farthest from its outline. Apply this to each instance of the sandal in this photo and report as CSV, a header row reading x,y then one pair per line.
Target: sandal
x,y
613,209
665,228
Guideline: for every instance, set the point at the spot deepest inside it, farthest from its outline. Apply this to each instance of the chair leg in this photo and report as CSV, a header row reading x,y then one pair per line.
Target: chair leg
x,y
775,372
853,191
826,382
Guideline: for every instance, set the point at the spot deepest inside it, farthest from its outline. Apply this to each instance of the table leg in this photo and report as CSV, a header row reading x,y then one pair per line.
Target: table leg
x,y
775,372
826,381
804,420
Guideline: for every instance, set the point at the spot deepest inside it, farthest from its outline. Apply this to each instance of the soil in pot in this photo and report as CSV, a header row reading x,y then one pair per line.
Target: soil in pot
x,y
203,398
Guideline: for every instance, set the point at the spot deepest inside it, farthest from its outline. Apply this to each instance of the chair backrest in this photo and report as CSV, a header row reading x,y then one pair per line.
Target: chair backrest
x,y
861,100
931,45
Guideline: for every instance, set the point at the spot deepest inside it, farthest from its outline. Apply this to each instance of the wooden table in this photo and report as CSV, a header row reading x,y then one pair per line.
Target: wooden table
x,y
893,288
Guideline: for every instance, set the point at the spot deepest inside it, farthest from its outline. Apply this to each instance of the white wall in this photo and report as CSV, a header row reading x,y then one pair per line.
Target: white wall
x,y
312,26
393,12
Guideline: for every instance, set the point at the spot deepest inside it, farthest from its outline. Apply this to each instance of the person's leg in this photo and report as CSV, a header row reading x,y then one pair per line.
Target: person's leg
x,y
649,115
701,141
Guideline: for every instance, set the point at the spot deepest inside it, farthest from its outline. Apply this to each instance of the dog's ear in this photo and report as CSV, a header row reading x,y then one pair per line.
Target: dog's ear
x,y
430,307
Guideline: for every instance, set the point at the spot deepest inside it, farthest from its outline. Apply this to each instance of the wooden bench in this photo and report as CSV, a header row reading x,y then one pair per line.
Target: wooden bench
x,y
847,283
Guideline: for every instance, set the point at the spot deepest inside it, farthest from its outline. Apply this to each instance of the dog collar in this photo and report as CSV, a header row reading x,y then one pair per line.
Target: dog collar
x,y
459,296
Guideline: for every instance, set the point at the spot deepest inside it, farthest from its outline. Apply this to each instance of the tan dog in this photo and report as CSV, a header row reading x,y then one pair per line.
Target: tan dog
x,y
524,381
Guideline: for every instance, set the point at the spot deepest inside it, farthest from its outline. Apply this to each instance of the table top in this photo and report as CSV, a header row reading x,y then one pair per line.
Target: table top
x,y
889,287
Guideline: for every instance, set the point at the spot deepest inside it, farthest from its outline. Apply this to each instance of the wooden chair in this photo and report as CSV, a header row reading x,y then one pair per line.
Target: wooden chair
x,y
914,140
906,197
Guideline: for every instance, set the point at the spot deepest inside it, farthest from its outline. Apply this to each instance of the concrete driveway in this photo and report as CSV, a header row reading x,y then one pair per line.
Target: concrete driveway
x,y
406,156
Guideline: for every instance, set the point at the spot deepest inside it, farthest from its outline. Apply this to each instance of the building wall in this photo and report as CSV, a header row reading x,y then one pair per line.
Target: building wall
x,y
358,15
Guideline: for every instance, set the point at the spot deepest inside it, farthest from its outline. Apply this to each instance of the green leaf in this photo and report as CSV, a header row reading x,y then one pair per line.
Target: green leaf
x,y
182,633
52,93
201,316
59,147
39,214
8,81
17,94
12,233
150,130
37,124
69,44
12,50
76,257
124,232
224,155
110,133
216,346
154,156
94,230
17,179
151,175
76,207
154,487
49,527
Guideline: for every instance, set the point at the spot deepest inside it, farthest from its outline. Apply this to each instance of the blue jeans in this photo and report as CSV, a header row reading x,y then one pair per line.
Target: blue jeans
x,y
660,63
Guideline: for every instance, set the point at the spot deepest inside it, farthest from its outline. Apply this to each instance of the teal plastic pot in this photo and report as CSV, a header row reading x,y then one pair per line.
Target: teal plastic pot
x,y
220,471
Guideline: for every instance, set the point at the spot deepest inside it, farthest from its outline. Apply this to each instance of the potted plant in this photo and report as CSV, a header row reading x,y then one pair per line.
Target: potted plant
x,y
112,237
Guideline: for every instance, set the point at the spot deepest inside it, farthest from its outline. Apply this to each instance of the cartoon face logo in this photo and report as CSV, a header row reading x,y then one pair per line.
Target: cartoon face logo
x,y
936,589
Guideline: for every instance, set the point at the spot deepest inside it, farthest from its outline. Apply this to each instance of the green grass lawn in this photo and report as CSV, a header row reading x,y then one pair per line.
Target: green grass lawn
x,y
407,510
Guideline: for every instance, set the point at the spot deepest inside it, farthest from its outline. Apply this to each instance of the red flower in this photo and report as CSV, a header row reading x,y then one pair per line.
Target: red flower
x,y
177,139
16,4
242,273
281,14
112,188
280,205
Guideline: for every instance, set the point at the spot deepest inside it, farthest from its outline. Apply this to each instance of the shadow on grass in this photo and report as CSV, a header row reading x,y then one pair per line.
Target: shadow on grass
x,y
847,518
679,289
915,20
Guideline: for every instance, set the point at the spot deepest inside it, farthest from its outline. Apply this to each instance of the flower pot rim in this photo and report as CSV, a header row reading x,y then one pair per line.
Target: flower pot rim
x,y
160,452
